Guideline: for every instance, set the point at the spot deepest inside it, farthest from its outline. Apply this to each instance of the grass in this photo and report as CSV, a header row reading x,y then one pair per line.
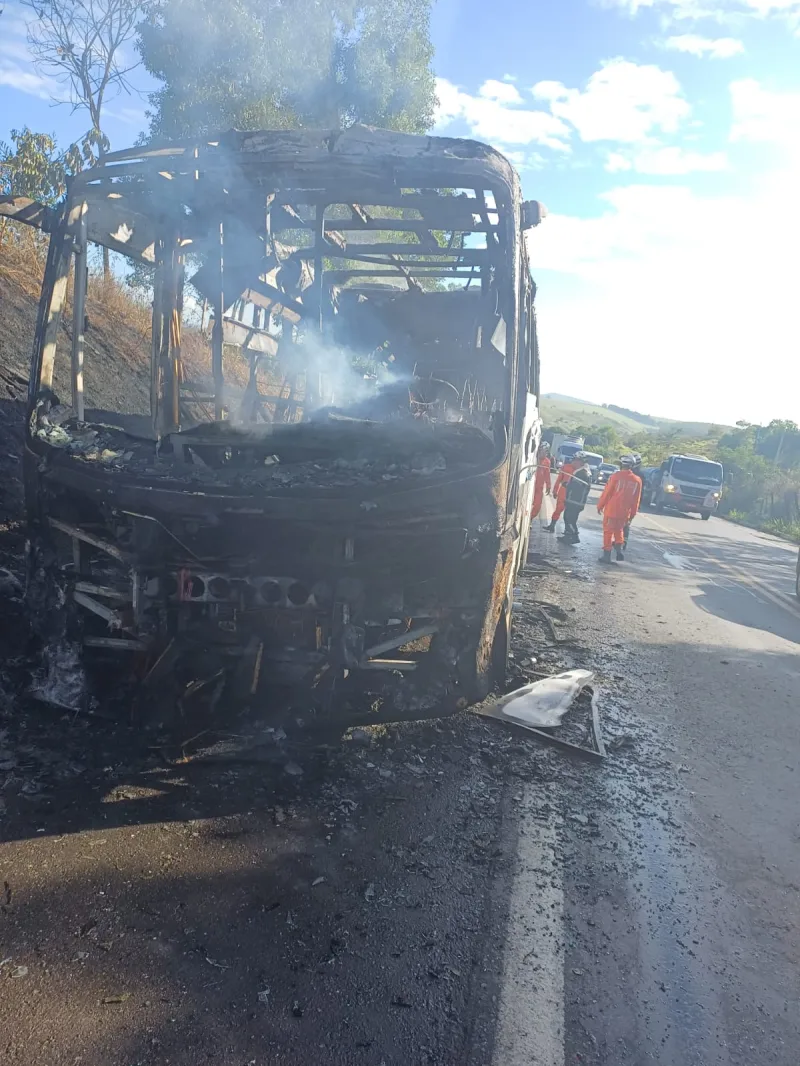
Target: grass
x,y
567,412
120,325
786,529
782,527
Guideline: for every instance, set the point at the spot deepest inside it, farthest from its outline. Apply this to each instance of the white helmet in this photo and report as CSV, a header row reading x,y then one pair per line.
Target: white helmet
x,y
627,461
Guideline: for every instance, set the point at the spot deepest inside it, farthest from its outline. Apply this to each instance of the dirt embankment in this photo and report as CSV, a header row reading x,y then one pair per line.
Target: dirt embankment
x,y
117,354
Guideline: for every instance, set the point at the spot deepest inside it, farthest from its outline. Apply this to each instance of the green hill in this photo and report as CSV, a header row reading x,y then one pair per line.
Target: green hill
x,y
569,412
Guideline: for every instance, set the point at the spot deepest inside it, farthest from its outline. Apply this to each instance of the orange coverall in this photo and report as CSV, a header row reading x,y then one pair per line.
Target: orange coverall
x,y
560,488
541,483
618,504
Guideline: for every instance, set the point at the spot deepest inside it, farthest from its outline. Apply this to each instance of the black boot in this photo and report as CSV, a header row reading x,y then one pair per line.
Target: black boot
x,y
551,528
605,557
620,555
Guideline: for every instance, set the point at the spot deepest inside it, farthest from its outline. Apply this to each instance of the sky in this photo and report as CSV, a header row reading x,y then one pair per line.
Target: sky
x,y
664,138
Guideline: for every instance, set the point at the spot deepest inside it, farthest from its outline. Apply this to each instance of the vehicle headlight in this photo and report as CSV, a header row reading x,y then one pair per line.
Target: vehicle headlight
x,y
715,495
670,488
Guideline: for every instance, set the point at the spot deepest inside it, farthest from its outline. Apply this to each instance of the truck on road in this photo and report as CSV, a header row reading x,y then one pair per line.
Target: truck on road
x,y
594,461
691,483
563,447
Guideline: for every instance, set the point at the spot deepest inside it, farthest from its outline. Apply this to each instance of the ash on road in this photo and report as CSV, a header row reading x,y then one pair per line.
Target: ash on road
x,y
443,893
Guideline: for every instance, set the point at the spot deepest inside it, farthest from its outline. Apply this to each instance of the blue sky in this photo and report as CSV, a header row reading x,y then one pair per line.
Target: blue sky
x,y
664,137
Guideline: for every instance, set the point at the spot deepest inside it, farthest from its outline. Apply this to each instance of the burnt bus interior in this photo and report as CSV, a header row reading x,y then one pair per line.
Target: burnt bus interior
x,y
306,478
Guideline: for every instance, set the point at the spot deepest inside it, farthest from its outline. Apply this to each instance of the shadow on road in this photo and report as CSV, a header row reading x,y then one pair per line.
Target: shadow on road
x,y
738,605
236,914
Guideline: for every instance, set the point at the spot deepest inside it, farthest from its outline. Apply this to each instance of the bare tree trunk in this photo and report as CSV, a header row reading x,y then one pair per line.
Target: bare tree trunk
x,y
100,154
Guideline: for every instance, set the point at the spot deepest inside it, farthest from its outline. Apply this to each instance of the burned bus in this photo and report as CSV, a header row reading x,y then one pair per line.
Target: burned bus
x,y
318,472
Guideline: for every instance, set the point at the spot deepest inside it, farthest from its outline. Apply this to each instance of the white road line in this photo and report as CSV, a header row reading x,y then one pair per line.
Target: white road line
x,y
681,562
530,1028
759,589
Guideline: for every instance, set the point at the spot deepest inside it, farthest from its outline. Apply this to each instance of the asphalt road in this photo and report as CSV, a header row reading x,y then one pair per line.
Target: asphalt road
x,y
448,893
693,956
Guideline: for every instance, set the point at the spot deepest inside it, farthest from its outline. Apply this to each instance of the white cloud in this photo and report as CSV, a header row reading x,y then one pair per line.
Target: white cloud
x,y
711,47
668,161
13,22
495,120
24,79
762,8
761,114
677,8
623,101
525,160
720,10
501,91
16,65
673,302
129,116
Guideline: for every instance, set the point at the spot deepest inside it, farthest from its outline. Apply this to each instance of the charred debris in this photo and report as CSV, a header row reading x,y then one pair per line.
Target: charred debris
x,y
312,476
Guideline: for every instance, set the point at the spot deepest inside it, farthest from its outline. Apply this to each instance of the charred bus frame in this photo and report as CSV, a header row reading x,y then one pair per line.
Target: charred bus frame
x,y
356,547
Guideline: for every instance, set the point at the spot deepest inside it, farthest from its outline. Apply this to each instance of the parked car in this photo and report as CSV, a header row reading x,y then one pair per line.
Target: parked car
x,y
604,472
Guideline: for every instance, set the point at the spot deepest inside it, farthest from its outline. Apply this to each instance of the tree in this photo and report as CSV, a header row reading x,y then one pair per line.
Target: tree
x,y
37,169
253,64
81,45
33,167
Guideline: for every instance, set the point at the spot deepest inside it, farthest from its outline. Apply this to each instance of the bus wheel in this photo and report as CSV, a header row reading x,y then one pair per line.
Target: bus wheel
x,y
705,515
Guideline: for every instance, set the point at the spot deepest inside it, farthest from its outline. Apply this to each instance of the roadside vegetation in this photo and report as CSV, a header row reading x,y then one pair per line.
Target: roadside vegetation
x,y
761,463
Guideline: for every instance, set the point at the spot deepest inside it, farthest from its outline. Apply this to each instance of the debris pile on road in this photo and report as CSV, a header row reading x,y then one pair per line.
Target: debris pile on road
x,y
540,706
544,703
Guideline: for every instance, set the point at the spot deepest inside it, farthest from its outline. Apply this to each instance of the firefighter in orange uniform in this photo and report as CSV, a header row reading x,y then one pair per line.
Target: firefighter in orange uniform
x,y
541,481
560,490
618,505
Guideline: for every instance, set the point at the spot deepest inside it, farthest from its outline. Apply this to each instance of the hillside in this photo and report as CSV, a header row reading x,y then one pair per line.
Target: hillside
x,y
117,374
569,412
117,339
